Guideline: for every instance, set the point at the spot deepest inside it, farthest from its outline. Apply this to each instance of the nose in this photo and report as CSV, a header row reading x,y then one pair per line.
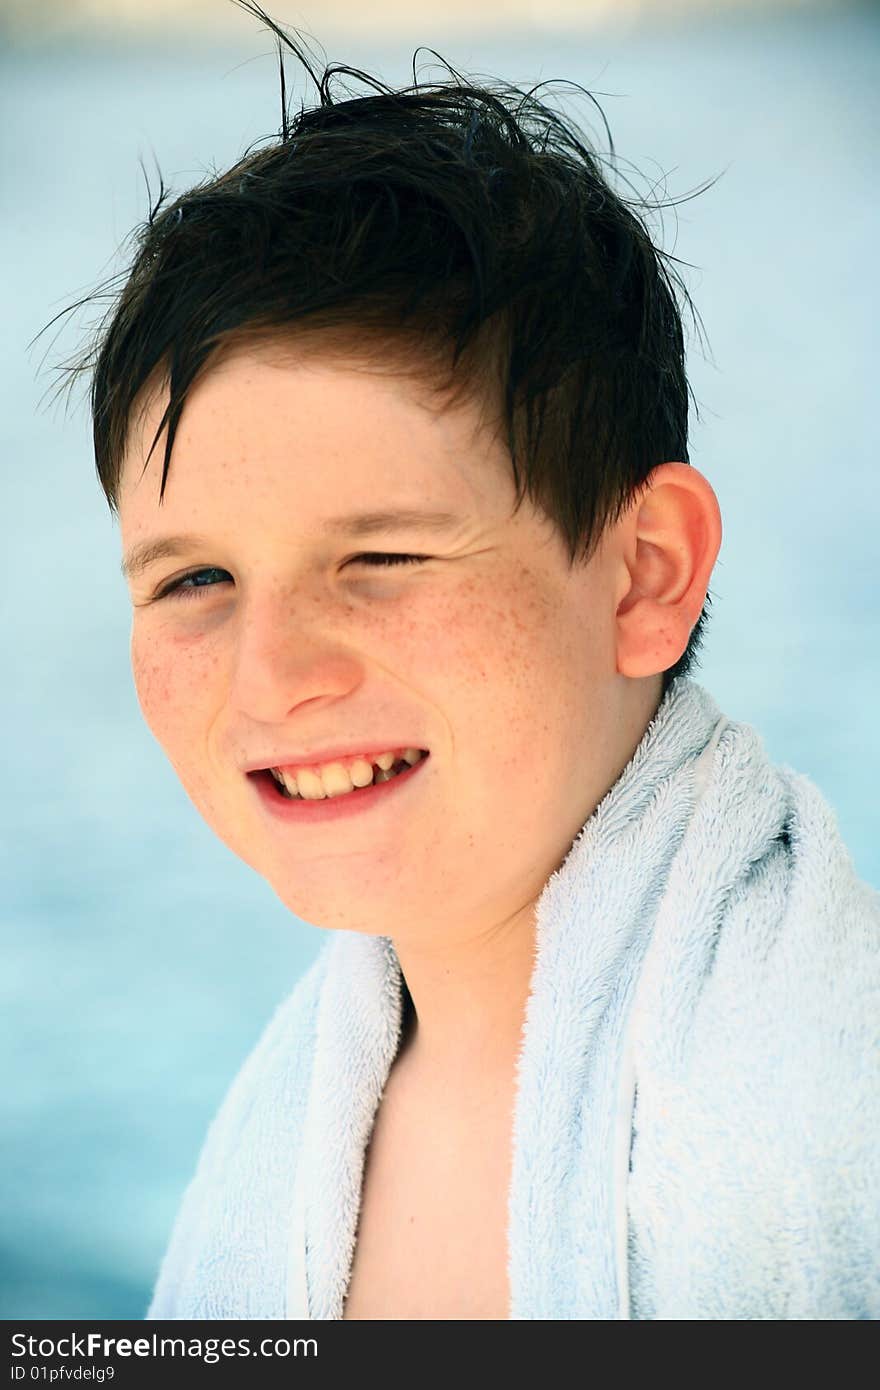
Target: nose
x,y
286,654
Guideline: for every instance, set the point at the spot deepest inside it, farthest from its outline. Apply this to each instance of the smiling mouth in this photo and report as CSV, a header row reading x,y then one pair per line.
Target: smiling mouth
x,y
308,785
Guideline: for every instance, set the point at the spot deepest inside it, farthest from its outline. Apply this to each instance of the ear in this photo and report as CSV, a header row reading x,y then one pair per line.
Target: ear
x,y
669,541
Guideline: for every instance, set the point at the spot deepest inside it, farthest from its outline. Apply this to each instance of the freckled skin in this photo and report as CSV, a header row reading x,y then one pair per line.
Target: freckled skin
x,y
530,682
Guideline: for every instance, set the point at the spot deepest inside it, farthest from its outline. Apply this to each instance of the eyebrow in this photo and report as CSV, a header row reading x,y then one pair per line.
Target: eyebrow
x,y
355,524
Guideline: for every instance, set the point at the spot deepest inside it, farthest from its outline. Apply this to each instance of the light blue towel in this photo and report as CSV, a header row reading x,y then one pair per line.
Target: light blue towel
x,y
697,1123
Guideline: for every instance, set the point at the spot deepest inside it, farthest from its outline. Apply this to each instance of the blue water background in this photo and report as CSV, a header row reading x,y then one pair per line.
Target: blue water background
x,y
140,958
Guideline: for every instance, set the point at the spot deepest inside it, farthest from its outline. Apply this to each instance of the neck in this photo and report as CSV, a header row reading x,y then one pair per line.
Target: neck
x,y
469,992
465,1005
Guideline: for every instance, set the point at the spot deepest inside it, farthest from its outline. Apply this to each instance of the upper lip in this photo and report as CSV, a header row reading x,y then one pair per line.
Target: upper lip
x,y
316,757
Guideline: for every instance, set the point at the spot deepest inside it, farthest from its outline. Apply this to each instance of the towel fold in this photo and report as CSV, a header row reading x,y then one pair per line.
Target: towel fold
x,y
697,1123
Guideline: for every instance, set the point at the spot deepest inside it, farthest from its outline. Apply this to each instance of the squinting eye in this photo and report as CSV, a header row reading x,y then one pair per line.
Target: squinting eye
x,y
189,585
179,588
375,557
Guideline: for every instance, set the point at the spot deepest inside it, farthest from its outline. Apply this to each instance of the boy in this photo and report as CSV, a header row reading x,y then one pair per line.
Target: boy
x,y
594,1034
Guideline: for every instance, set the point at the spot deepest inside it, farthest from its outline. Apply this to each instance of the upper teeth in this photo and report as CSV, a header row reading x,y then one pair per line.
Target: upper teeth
x,y
332,779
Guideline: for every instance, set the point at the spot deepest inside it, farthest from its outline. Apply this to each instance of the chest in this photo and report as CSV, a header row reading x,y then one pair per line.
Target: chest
x,y
432,1230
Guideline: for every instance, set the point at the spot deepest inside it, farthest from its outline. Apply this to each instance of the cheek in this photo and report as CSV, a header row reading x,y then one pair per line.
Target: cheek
x,y
178,702
170,686
502,641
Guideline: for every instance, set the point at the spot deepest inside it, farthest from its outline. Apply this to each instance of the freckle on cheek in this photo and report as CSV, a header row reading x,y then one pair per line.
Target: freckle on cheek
x,y
150,679
152,685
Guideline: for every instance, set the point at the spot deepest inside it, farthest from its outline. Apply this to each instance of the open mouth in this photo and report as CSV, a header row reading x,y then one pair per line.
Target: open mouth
x,y
337,781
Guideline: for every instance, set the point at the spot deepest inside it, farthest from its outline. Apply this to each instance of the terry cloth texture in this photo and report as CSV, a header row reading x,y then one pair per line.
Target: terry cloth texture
x,y
697,1123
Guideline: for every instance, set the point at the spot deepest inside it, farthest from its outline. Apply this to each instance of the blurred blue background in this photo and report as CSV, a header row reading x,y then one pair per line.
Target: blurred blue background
x,y
141,959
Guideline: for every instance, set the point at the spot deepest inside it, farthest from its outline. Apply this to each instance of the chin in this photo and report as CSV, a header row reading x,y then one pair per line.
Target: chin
x,y
323,915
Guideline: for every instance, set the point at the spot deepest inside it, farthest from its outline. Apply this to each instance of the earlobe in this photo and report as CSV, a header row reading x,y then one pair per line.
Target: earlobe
x,y
670,540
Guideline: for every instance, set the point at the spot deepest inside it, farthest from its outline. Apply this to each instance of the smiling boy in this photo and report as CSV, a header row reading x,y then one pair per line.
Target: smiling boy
x,y
506,666
414,630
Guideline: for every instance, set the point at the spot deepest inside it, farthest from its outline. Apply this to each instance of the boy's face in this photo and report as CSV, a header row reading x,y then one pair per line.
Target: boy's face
x,y
493,654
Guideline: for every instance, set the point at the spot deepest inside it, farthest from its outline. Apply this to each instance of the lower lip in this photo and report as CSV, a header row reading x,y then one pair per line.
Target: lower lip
x,y
302,811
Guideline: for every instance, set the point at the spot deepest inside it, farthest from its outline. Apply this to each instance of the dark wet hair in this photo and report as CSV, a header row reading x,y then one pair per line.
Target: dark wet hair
x,y
462,234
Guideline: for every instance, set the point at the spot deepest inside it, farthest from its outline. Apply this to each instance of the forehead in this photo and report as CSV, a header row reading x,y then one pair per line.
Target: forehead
x,y
279,421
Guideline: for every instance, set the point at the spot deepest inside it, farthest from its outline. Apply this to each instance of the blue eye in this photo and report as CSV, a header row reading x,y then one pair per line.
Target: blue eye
x,y
193,583
180,587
